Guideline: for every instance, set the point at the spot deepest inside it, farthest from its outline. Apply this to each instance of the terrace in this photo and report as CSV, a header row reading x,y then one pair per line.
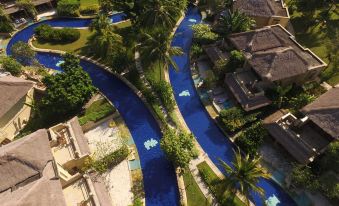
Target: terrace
x,y
300,137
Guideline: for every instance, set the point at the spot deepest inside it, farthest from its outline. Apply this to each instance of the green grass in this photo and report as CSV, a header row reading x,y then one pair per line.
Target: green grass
x,y
96,111
87,3
76,47
194,195
214,183
153,72
321,38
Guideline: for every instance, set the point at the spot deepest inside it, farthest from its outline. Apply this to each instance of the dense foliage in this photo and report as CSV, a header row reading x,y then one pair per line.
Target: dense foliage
x,y
46,33
203,34
89,10
196,51
27,6
178,147
251,138
23,53
243,176
234,23
5,22
300,101
107,162
96,111
68,8
11,65
68,91
235,118
236,60
330,160
165,93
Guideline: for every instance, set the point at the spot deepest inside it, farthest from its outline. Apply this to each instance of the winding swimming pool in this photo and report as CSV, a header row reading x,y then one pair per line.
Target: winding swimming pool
x,y
160,182
207,133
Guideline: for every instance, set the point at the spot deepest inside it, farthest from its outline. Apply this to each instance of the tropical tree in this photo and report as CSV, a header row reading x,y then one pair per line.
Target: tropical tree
x,y
159,13
28,7
106,42
281,91
68,7
157,46
234,23
243,176
5,22
11,65
106,6
101,22
178,147
67,91
23,53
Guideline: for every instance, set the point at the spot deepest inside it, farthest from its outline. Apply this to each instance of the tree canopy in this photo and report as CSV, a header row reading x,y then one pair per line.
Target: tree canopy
x,y
11,65
179,147
23,53
67,91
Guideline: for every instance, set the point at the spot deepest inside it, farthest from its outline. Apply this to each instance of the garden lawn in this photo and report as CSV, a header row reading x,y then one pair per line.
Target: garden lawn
x,y
96,111
76,46
214,184
320,37
87,3
194,195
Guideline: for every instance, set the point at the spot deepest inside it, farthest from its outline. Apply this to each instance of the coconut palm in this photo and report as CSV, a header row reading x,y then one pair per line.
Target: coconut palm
x,y
101,22
106,43
160,13
157,47
234,23
243,176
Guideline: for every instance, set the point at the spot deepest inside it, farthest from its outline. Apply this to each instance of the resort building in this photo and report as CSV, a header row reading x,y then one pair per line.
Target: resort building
x,y
15,110
307,137
10,7
264,12
47,166
273,57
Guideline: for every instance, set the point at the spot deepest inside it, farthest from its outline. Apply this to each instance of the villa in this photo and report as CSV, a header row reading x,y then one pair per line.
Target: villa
x,y
11,9
273,57
307,137
16,96
47,167
264,12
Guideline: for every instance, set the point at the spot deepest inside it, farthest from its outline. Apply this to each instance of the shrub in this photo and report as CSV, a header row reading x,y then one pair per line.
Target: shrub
x,y
11,65
236,60
109,161
68,8
47,33
251,138
235,118
196,51
302,176
23,53
89,10
5,23
203,34
300,101
165,92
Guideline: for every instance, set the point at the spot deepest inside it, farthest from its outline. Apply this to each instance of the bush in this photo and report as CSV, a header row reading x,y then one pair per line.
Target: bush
x,y
235,118
109,161
165,92
196,51
203,34
251,138
11,65
47,33
5,24
90,10
236,60
303,177
68,8
23,53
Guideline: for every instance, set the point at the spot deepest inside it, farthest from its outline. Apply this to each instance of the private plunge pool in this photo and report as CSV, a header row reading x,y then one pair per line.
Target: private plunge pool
x,y
159,177
207,133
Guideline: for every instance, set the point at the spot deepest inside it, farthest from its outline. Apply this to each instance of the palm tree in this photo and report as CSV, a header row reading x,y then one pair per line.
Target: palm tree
x,y
106,43
157,47
281,92
101,22
159,13
243,177
234,23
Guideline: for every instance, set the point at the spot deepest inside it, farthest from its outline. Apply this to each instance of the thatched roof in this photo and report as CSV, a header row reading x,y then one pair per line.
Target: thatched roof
x,y
12,90
324,112
264,8
267,48
27,175
79,136
12,9
214,53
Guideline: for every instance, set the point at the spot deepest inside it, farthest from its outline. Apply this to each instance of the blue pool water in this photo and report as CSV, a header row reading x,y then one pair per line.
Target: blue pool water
x,y
159,176
209,136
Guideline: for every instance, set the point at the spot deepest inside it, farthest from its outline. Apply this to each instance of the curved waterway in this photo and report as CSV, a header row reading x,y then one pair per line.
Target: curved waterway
x,y
160,182
207,133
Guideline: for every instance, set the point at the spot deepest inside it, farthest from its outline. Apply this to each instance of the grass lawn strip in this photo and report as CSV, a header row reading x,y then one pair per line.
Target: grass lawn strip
x,y
194,195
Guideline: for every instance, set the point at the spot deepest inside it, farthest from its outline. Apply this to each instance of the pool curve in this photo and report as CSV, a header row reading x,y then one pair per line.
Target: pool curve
x,y
159,177
207,133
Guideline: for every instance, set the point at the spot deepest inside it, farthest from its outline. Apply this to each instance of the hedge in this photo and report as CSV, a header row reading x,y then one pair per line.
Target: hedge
x,y
47,33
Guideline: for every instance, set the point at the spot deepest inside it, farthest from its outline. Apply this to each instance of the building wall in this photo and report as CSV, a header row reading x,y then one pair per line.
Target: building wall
x,y
16,119
273,20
